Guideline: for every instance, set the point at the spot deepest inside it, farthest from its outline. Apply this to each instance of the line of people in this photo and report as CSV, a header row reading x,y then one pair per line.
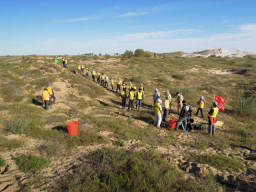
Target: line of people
x,y
133,100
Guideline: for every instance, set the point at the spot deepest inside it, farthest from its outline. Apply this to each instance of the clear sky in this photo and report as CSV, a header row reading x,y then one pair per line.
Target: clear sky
x,y
110,26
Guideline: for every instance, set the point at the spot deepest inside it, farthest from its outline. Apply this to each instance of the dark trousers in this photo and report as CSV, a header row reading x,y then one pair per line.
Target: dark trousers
x,y
123,102
201,111
130,104
93,77
118,88
166,112
53,99
46,104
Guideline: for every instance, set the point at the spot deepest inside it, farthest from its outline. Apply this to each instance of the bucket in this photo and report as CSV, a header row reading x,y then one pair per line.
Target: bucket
x,y
72,127
172,124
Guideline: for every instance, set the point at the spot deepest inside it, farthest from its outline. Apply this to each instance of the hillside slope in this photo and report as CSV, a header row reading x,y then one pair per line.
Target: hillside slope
x,y
208,162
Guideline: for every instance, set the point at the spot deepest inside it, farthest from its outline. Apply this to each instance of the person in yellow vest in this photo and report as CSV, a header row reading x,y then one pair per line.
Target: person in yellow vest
x,y
166,108
98,76
79,68
168,94
51,93
131,98
118,86
112,82
212,118
130,85
82,68
63,62
123,97
66,63
142,87
45,98
180,99
158,113
93,75
201,104
87,72
139,97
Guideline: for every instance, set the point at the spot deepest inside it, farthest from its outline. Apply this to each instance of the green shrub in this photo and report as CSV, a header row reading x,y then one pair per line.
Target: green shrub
x,y
2,162
139,53
245,107
108,170
179,76
19,125
127,54
30,163
219,161
252,157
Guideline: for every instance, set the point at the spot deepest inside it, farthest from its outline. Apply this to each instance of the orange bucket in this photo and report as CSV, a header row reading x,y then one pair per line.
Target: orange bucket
x,y
72,127
172,124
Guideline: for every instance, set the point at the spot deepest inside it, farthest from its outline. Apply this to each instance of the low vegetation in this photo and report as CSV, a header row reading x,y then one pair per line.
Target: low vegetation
x,y
2,162
30,163
111,170
219,161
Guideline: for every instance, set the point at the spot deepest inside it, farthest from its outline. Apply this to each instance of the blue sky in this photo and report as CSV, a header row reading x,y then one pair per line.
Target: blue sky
x,y
110,26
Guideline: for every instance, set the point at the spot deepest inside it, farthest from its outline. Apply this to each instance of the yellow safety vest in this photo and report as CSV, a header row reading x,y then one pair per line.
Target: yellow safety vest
x,y
140,95
201,104
49,90
93,72
132,93
112,82
180,99
66,61
123,93
215,112
157,108
45,95
79,67
167,103
119,82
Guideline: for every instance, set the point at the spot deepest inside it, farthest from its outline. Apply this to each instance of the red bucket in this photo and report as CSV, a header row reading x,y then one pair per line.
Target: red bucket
x,y
72,127
172,124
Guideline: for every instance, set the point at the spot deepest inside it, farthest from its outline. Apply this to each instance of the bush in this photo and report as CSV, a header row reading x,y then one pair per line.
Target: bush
x,y
127,54
179,76
109,170
19,125
30,163
245,107
220,161
252,157
139,53
2,162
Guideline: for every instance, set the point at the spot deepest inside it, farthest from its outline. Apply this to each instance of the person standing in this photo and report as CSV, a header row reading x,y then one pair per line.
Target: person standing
x,y
185,115
180,99
139,97
123,97
118,87
156,96
45,98
51,94
158,113
131,98
166,108
201,104
112,82
212,118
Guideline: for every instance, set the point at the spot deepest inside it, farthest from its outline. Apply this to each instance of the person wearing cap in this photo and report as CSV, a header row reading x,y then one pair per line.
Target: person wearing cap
x,y
51,94
156,96
201,104
45,98
169,96
185,115
212,118
158,113
166,108
139,98
131,98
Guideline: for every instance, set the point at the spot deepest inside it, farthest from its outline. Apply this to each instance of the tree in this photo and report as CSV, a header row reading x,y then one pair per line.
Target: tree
x,y
139,53
127,54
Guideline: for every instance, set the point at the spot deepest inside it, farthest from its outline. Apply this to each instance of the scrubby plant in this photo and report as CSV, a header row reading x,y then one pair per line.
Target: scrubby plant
x,y
2,162
30,163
